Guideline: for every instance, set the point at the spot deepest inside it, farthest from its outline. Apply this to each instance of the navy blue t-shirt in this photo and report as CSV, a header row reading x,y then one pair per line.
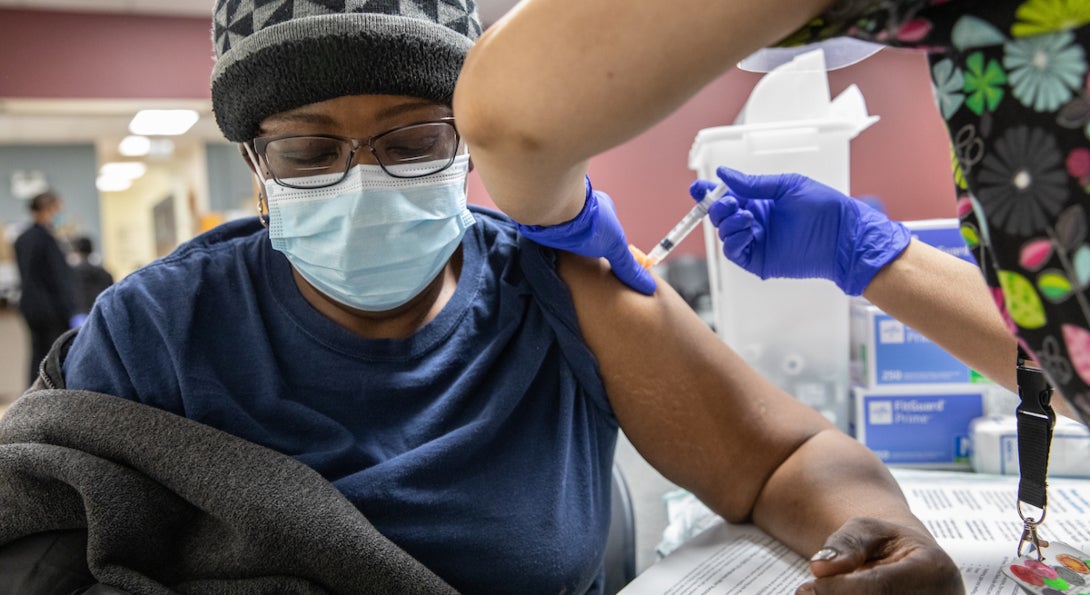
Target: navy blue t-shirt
x,y
481,445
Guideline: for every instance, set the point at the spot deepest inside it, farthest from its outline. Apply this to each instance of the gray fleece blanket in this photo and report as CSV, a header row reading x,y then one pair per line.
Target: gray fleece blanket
x,y
174,506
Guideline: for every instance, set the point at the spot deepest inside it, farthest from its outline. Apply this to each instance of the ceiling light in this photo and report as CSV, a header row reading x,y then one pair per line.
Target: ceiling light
x,y
112,184
123,169
163,122
134,146
161,147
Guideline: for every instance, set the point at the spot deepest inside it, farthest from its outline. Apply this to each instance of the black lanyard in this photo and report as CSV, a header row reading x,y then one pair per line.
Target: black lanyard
x,y
1035,422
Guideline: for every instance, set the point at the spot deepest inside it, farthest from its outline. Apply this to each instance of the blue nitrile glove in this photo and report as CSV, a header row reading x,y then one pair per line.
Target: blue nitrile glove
x,y
595,232
790,226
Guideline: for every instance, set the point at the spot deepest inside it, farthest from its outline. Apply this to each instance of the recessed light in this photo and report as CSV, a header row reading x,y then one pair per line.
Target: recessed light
x,y
134,146
112,184
123,169
163,122
161,147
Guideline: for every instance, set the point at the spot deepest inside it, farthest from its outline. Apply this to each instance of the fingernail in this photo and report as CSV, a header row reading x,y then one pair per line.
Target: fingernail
x,y
806,589
824,555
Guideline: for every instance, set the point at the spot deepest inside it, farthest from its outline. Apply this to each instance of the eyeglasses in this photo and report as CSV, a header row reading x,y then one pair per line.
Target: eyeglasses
x,y
317,161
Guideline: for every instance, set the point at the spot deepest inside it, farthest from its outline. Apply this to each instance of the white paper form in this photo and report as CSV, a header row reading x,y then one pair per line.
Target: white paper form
x,y
972,516
725,559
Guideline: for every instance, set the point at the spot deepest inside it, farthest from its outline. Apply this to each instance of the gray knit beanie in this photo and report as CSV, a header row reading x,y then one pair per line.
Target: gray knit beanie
x,y
277,55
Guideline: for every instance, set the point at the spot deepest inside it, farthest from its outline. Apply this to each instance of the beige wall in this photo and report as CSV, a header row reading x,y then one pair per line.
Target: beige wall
x,y
128,228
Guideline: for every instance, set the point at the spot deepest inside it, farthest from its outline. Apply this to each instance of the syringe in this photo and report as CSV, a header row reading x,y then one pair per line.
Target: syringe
x,y
687,224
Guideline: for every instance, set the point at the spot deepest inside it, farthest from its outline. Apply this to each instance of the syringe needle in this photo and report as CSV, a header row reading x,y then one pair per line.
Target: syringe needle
x,y
684,227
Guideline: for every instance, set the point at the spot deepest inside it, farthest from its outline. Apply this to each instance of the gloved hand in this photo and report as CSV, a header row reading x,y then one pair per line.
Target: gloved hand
x,y
595,232
77,321
790,226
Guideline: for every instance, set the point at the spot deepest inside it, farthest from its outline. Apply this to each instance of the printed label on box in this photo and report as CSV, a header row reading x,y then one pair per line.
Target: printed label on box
x,y
880,412
904,356
1008,454
891,331
920,429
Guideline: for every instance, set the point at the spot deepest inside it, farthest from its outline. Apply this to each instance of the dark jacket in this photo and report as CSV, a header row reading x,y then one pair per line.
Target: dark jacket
x,y
46,284
91,280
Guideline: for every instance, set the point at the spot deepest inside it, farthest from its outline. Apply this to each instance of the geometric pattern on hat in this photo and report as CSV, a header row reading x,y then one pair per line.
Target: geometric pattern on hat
x,y
234,20
276,55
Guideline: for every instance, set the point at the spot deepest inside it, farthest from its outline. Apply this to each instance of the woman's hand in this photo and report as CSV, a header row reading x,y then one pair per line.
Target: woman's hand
x,y
871,556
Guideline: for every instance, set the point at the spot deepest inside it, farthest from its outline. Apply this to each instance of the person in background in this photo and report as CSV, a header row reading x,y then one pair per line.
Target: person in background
x,y
46,290
1011,82
91,278
437,380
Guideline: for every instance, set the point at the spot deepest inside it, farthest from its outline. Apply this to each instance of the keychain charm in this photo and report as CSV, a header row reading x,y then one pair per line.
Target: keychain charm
x,y
1029,535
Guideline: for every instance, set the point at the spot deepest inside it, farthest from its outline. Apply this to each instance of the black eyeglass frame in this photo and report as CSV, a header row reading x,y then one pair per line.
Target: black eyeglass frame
x,y
261,143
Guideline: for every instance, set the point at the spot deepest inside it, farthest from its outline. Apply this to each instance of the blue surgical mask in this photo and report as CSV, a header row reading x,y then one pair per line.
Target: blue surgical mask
x,y
372,241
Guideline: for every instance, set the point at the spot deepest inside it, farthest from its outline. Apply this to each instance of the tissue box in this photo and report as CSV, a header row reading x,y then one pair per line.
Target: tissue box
x,y
885,352
923,426
995,447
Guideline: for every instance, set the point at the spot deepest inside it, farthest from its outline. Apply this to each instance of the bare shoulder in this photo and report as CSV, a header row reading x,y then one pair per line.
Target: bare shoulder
x,y
688,403
681,395
619,322
645,345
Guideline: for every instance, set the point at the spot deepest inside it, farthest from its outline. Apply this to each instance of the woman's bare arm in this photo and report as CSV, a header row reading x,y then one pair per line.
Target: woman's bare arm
x,y
710,423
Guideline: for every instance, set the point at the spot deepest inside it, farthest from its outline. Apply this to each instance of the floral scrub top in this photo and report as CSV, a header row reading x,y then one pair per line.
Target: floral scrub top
x,y
1010,79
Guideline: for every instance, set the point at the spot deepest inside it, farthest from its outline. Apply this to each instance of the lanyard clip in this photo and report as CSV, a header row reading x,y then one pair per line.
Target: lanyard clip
x,y
1036,393
1029,534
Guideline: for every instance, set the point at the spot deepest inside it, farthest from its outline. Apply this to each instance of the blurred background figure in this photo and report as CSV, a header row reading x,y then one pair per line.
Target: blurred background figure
x,y
46,297
91,278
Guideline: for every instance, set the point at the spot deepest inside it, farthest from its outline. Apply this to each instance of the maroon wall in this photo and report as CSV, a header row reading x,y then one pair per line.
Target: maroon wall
x,y
64,55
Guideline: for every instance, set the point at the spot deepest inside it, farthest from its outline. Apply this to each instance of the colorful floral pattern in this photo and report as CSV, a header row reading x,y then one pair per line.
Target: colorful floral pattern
x,y
1042,16
1022,184
1010,79
984,83
1023,303
1045,69
1078,345
949,87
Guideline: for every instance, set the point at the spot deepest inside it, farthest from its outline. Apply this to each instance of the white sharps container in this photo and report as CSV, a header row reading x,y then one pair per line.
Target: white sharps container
x,y
794,332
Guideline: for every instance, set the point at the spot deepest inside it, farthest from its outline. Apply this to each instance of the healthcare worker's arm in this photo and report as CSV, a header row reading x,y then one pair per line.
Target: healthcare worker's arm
x,y
791,226
945,299
710,423
555,82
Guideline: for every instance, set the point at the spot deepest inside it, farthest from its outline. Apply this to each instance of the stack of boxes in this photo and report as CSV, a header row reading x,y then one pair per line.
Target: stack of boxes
x,y
912,402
